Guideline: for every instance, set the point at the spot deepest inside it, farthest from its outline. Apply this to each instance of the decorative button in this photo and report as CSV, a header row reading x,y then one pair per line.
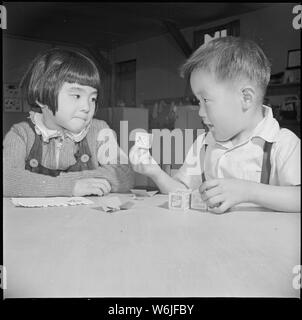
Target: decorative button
x,y
33,163
85,158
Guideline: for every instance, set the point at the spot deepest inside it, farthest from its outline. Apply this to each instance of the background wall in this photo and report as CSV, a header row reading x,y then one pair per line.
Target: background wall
x,y
158,59
17,55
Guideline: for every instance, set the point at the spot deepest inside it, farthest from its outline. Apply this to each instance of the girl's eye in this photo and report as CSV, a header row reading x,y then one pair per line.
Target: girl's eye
x,y
93,100
76,96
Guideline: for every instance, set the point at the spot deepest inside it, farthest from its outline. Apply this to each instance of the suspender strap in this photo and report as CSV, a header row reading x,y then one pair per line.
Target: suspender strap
x,y
35,155
202,156
266,163
83,157
34,159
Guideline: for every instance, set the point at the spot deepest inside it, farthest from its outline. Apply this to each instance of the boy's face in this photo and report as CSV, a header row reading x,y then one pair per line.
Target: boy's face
x,y
220,105
76,106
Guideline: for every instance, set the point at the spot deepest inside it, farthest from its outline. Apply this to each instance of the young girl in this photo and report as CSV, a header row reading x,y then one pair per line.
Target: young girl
x,y
60,150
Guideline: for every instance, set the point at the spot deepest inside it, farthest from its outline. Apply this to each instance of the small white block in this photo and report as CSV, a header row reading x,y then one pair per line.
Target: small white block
x,y
179,200
197,202
143,140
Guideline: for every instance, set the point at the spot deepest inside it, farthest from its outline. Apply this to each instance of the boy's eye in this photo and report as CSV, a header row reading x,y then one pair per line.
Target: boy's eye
x,y
203,100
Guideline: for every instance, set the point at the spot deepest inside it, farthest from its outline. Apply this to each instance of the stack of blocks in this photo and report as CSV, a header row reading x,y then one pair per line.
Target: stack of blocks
x,y
186,199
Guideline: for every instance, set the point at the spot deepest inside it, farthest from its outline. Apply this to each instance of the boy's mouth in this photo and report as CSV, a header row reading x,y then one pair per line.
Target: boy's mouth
x,y
208,125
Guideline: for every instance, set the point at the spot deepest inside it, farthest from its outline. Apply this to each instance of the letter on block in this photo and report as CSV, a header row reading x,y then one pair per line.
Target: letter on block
x,y
180,199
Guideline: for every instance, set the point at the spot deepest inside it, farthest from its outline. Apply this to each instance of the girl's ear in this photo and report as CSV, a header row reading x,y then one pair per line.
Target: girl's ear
x,y
42,106
248,96
47,113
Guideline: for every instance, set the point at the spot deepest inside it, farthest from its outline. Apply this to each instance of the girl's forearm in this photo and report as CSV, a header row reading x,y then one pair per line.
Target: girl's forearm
x,y
19,182
279,198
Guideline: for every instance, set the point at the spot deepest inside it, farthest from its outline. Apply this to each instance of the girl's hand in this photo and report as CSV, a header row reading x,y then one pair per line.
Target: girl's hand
x,y
142,162
91,186
222,194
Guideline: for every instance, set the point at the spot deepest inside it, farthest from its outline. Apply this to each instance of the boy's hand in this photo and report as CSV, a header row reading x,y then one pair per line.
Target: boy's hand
x,y
222,194
91,186
142,162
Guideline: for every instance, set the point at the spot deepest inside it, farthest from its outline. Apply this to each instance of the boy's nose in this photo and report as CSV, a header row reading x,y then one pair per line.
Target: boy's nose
x,y
202,111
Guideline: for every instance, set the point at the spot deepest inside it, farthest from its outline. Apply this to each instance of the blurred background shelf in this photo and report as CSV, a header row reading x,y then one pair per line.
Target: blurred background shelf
x,y
283,89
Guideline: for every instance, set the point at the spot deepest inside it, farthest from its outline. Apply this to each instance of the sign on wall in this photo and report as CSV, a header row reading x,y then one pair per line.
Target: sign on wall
x,y
206,35
11,98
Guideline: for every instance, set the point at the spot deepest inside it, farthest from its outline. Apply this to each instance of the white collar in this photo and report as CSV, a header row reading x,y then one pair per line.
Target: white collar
x,y
47,134
267,129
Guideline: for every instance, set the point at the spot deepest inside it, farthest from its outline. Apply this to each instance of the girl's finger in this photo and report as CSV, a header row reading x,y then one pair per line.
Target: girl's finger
x,y
101,187
104,184
95,191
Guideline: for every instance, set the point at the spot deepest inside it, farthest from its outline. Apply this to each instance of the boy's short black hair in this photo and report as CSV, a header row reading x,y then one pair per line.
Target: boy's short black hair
x,y
48,72
231,58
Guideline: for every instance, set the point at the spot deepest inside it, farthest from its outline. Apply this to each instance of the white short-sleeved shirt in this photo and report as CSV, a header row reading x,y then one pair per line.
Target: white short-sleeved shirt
x,y
244,161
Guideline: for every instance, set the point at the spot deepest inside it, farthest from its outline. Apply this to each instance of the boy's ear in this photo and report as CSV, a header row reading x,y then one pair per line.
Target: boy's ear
x,y
248,96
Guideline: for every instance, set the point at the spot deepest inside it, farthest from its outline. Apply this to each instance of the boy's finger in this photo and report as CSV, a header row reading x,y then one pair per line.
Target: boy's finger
x,y
134,157
222,208
210,193
133,152
208,185
215,201
145,158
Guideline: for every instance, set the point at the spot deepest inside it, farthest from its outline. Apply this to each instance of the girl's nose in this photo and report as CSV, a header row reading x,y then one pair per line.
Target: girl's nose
x,y
85,107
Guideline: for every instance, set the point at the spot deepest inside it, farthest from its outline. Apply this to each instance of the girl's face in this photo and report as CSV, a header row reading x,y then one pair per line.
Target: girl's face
x,y
76,106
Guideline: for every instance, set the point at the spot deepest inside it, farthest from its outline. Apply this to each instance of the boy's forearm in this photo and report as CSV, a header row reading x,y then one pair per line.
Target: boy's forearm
x,y
166,183
279,198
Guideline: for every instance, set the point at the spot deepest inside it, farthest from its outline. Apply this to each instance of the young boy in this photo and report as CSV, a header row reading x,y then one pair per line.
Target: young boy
x,y
245,156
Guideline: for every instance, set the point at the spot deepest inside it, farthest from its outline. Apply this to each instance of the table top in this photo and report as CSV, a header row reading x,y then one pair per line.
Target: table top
x,y
149,251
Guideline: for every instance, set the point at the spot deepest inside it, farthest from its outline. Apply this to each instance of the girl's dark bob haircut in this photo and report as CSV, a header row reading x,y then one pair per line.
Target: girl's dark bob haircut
x,y
48,72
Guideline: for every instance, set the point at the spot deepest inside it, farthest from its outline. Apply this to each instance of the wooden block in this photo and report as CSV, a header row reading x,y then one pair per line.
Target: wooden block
x,y
196,201
179,200
143,140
